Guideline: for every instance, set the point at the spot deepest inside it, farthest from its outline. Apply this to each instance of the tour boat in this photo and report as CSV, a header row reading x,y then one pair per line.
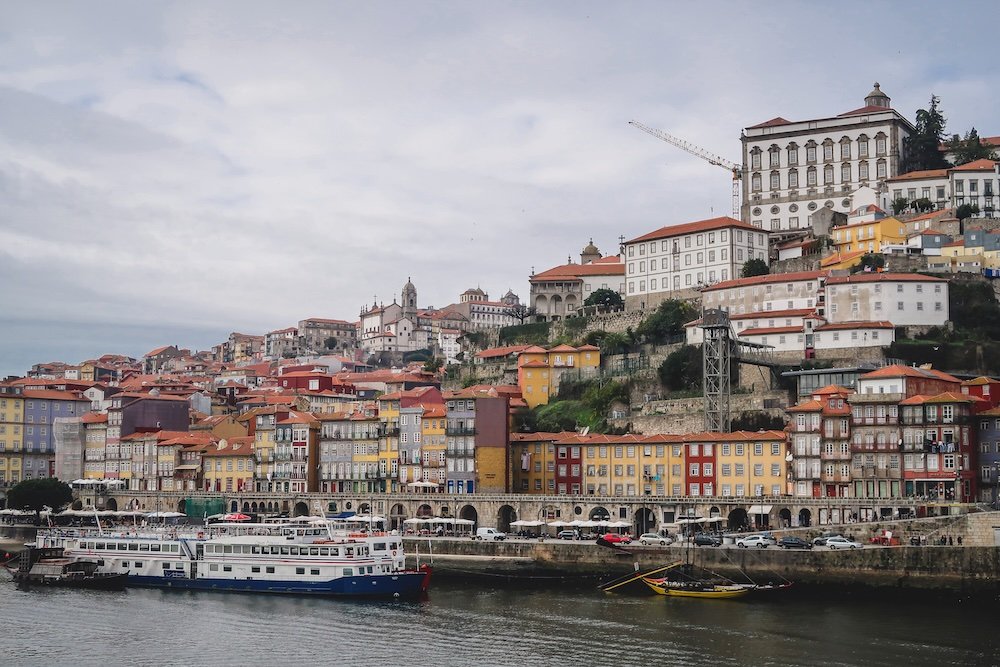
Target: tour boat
x,y
306,560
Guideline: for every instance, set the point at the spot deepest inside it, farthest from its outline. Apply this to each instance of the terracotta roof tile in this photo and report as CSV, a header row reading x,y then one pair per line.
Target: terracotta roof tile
x,y
697,226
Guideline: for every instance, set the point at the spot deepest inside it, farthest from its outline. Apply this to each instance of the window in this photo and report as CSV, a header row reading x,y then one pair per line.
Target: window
x,y
828,150
793,178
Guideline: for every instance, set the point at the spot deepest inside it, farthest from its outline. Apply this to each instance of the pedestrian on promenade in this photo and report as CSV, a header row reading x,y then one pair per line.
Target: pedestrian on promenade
x,y
951,541
959,540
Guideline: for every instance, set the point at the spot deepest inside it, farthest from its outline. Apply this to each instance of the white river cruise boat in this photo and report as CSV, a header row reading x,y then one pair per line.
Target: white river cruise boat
x,y
306,560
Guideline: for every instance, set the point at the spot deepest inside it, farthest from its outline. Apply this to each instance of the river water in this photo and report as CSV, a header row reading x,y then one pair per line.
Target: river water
x,y
481,624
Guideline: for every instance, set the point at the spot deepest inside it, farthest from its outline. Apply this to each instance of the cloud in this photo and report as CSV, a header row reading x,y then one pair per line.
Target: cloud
x,y
210,167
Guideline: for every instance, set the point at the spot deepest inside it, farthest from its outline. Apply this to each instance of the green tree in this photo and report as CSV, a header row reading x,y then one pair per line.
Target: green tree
x,y
754,267
614,343
871,262
37,494
519,312
330,343
605,297
434,364
970,148
682,369
560,416
966,211
667,322
923,205
922,149
899,205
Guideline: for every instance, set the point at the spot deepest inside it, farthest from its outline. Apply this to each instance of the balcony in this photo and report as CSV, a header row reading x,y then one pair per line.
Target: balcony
x,y
835,477
389,432
835,456
459,430
282,455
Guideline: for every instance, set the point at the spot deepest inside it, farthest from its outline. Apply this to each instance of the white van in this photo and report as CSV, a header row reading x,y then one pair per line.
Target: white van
x,y
490,534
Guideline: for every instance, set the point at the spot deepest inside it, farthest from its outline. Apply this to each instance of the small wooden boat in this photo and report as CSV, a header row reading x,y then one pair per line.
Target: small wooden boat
x,y
684,589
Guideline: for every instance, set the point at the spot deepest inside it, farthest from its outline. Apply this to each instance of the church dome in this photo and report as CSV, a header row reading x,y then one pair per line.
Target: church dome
x,y
591,249
877,98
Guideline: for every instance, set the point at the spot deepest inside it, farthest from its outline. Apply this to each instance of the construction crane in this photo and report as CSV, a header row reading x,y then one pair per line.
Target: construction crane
x,y
735,169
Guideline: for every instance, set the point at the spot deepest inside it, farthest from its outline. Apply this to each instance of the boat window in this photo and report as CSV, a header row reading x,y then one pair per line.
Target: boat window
x,y
125,564
314,571
350,552
227,568
166,566
213,567
122,546
300,570
313,551
295,551
378,546
255,550
133,547
348,571
255,569
99,545
154,547
143,547
334,551
227,549
270,569
284,551
100,563
178,566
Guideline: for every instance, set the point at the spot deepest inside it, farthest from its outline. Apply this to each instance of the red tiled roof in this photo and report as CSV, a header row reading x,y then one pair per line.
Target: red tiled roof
x,y
871,108
53,395
945,397
920,175
724,222
807,406
94,418
835,326
869,277
898,370
942,213
571,271
977,165
501,351
764,331
534,364
831,389
763,280
541,436
563,348
774,122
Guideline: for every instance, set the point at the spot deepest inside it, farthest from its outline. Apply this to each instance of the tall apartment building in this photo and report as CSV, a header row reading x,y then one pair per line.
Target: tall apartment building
x,y
677,259
793,168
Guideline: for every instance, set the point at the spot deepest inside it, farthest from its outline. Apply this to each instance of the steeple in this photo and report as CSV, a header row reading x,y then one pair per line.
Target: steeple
x,y
590,253
409,301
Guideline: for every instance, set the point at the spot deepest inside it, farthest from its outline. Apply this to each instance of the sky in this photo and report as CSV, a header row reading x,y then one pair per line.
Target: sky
x,y
174,171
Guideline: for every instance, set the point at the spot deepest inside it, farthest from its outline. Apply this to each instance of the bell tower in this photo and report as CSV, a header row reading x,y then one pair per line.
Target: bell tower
x,y
409,300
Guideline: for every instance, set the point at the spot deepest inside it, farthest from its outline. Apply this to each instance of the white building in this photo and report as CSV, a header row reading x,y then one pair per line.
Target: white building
x,y
976,183
562,290
792,168
905,299
448,344
672,259
930,184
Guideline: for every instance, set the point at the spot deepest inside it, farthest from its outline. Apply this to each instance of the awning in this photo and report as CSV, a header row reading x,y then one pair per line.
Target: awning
x,y
760,509
187,466
341,515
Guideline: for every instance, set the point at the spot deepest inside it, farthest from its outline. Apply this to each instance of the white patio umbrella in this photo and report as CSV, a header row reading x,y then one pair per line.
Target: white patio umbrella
x,y
557,524
415,521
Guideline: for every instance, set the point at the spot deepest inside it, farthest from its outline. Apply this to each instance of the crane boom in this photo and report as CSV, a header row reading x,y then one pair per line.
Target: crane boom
x,y
733,168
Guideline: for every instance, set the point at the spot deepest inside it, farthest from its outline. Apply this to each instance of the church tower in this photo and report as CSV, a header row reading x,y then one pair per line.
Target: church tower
x,y
409,301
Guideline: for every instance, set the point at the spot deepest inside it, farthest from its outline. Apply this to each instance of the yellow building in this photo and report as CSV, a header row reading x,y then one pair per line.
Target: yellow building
x,y
11,419
432,434
539,371
867,235
533,462
751,463
95,445
262,422
228,465
388,444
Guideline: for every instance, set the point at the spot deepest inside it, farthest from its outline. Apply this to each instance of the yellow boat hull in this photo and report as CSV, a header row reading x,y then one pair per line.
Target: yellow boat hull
x,y
707,592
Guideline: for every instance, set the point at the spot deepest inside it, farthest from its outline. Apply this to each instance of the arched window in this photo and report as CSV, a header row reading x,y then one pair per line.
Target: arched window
x,y
880,169
828,174
774,156
793,178
863,145
828,150
793,154
775,180
845,148
811,176
863,170
845,172
755,182
880,144
755,158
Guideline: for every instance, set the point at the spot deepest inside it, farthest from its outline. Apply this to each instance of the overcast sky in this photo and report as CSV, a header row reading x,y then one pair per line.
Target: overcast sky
x,y
171,172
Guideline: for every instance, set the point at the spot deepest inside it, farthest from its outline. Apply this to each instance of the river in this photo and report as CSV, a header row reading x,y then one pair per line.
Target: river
x,y
481,624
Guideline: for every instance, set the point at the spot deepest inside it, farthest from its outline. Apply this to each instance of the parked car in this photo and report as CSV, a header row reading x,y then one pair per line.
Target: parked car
x,y
793,542
707,540
655,538
615,538
759,541
821,540
490,534
838,542
568,535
